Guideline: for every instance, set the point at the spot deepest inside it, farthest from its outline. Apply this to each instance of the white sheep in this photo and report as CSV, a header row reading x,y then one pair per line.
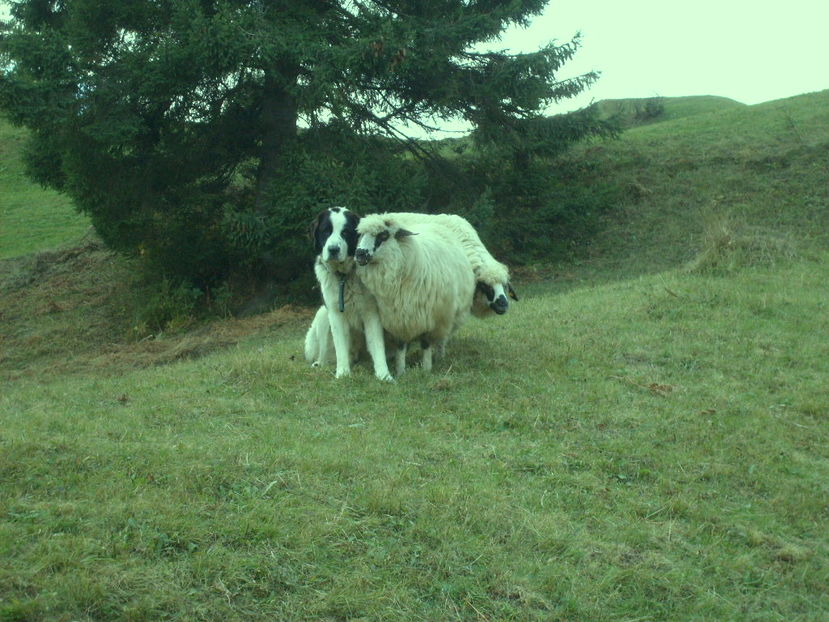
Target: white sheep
x,y
492,277
421,279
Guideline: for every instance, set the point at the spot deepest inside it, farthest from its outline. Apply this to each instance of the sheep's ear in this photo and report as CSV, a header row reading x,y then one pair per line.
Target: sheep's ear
x,y
511,291
403,233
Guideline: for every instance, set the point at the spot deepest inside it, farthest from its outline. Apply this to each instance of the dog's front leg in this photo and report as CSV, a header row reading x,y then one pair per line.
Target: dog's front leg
x,y
323,339
341,333
376,346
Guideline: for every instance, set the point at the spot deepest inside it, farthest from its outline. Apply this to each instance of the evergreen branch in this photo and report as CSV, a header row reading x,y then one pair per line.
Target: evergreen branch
x,y
407,141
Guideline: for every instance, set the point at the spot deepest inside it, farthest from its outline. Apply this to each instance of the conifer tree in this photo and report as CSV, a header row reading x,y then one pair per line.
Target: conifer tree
x,y
204,133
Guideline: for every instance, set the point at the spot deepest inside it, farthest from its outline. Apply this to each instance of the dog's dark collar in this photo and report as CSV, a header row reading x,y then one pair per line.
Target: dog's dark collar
x,y
342,277
341,303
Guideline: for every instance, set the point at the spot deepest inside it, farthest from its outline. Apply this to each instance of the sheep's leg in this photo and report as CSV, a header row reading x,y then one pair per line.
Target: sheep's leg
x,y
400,358
376,346
341,333
426,364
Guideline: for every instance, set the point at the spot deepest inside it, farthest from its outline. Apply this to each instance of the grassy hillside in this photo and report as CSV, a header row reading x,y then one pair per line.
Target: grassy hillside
x,y
31,218
634,112
644,436
753,175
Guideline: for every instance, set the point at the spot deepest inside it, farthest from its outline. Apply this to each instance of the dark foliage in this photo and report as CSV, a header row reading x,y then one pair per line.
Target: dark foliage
x,y
203,135
529,201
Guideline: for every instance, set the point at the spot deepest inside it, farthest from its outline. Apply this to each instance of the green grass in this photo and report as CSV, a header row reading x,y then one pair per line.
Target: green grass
x,y
763,169
643,437
31,218
660,453
634,111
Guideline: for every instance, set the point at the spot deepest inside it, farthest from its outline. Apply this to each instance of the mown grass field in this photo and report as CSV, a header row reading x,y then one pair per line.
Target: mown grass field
x,y
645,436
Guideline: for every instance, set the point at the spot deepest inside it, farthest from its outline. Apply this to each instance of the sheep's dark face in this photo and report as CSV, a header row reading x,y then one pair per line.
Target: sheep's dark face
x,y
335,234
496,299
496,296
373,237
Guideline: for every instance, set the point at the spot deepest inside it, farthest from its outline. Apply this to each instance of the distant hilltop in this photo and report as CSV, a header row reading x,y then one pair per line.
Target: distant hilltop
x,y
633,112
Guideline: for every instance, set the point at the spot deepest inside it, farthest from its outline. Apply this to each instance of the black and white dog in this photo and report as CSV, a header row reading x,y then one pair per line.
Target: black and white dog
x,y
348,305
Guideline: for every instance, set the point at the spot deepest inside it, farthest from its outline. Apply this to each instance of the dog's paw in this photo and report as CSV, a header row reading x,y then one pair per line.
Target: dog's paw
x,y
315,364
343,372
386,378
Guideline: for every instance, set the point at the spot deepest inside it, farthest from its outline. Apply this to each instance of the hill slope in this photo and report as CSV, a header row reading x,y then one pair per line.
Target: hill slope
x,y
759,171
643,437
31,218
654,448
635,112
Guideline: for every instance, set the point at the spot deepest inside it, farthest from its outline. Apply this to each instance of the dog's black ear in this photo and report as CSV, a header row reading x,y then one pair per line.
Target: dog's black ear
x,y
313,231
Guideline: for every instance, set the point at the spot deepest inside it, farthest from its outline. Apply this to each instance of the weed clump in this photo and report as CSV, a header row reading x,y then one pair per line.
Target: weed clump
x,y
728,246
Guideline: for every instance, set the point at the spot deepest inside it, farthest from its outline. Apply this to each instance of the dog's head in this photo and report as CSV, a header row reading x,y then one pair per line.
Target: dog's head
x,y
335,234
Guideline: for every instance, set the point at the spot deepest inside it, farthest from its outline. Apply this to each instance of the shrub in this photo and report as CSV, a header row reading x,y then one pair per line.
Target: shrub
x,y
165,304
649,109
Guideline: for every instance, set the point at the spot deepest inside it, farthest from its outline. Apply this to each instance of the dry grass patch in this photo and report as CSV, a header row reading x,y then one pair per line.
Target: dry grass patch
x,y
728,245
72,311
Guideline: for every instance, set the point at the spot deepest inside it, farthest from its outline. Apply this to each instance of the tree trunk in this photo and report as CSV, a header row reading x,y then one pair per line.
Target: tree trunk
x,y
279,126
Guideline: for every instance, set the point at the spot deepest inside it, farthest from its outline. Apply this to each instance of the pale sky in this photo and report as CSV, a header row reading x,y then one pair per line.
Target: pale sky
x,y
742,49
746,50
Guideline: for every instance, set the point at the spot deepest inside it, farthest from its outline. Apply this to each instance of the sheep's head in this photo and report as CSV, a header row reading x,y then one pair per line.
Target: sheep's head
x,y
492,297
374,231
